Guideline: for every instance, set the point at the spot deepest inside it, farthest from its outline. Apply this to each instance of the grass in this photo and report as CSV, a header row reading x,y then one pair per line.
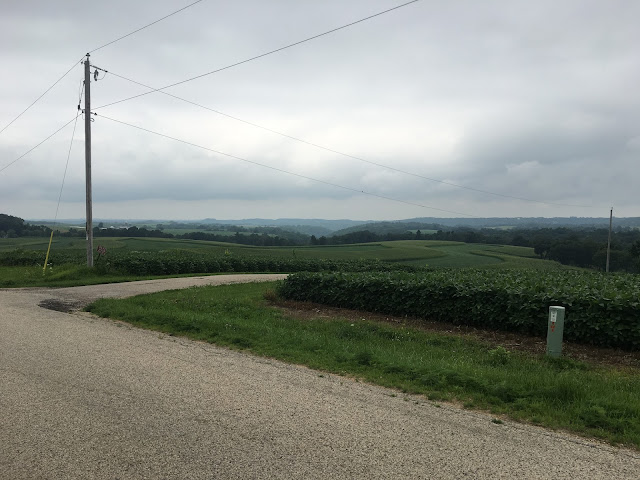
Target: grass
x,y
564,394
66,276
477,255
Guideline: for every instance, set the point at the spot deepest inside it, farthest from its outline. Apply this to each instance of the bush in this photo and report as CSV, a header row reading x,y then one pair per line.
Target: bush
x,y
602,309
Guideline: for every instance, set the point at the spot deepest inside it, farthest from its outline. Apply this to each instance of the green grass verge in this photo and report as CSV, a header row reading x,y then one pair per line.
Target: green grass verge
x,y
67,276
562,394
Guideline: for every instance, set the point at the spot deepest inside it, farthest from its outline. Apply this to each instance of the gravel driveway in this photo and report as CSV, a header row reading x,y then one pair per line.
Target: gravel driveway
x,y
85,397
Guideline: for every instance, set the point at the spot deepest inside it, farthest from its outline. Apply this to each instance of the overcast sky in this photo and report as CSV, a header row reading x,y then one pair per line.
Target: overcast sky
x,y
536,100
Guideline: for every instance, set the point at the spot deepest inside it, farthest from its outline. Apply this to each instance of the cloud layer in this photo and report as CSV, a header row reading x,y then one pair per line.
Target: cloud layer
x,y
533,100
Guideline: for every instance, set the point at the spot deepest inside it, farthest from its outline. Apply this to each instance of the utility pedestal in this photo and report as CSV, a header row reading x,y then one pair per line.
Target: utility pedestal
x,y
555,330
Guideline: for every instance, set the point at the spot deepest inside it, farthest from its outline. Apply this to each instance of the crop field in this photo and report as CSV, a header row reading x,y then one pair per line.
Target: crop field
x,y
601,309
418,253
127,258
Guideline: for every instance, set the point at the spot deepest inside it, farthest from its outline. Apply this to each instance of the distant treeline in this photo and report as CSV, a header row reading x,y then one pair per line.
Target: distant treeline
x,y
577,246
263,239
13,227
580,247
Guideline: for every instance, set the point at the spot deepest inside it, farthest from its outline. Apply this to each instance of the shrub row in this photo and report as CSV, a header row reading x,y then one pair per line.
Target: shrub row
x,y
602,309
28,258
175,262
171,262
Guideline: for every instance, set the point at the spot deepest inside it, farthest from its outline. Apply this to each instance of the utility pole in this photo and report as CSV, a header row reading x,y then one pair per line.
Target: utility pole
x,y
87,158
609,242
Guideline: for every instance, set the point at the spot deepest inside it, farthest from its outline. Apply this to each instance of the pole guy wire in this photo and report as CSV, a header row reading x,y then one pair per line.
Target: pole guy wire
x,y
66,167
261,55
281,170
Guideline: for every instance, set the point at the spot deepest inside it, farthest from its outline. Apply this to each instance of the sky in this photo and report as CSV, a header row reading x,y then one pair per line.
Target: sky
x,y
500,108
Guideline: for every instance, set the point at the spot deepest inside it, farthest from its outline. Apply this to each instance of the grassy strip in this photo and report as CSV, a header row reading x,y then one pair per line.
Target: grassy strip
x,y
68,276
562,394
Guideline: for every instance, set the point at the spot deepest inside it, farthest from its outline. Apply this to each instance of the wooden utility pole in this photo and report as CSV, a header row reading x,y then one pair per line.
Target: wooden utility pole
x,y
87,158
609,242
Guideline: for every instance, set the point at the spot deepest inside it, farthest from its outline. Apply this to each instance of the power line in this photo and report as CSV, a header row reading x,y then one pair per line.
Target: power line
x,y
94,50
37,99
33,148
146,26
261,55
363,192
331,150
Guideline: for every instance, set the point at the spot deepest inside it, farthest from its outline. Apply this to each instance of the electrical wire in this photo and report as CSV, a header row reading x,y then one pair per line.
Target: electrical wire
x,y
64,176
146,26
331,150
33,148
261,55
37,99
363,192
95,50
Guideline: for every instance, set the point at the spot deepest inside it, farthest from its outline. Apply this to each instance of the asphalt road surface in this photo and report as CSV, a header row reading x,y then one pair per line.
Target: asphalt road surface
x,y
84,397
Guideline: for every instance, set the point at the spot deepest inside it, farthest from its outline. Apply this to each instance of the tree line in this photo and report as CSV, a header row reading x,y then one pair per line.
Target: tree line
x,y
580,247
13,227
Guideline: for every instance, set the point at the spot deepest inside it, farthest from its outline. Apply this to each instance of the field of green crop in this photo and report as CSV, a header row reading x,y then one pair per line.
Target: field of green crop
x,y
417,253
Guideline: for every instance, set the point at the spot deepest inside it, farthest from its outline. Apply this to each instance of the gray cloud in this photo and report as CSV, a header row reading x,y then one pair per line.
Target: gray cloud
x,y
527,99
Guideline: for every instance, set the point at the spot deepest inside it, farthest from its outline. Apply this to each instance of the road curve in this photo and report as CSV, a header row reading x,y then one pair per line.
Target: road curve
x,y
85,397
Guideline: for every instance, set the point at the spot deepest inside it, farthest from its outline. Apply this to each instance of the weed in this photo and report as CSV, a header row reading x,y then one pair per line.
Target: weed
x,y
499,355
270,295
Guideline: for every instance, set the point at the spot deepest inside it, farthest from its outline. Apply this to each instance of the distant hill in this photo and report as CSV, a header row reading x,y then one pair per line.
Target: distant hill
x,y
432,223
326,226
382,228
527,222
323,227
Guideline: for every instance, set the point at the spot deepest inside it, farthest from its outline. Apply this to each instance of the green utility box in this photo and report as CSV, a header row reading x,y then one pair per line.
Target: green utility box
x,y
555,330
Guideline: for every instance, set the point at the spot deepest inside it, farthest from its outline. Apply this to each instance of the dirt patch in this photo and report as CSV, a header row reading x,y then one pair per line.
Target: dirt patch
x,y
66,306
510,341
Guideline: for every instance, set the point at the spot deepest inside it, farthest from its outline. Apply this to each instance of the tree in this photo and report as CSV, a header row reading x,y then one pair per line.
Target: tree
x,y
520,241
619,260
541,246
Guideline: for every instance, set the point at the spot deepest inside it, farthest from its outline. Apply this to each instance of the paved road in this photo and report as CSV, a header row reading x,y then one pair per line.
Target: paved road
x,y
83,397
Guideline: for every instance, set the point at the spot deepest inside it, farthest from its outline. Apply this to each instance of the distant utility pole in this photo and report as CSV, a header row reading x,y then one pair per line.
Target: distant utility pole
x,y
609,242
87,158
